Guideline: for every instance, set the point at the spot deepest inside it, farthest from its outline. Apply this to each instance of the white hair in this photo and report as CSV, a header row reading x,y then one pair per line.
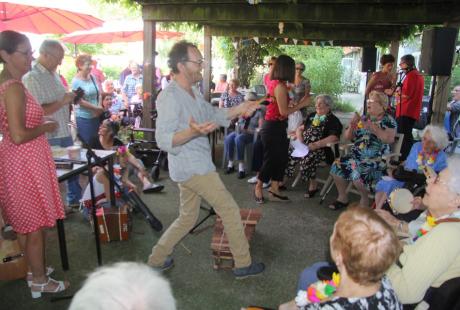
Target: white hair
x,y
327,100
48,46
453,164
439,136
124,286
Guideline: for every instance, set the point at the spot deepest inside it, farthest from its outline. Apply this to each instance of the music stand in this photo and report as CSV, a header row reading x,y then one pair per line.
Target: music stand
x,y
211,212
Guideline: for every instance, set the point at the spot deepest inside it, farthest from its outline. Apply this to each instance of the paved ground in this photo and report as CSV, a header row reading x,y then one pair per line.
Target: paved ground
x,y
289,237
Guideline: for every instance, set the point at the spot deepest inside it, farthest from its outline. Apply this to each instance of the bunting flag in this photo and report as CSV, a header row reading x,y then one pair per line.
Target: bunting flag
x,y
305,42
295,41
281,27
256,39
235,45
286,40
321,43
331,43
313,43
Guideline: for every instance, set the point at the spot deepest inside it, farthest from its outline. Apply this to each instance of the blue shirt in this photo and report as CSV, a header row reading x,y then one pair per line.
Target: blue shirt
x,y
129,86
91,95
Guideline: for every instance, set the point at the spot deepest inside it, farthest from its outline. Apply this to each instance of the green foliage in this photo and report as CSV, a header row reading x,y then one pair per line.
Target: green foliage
x,y
344,106
84,48
322,67
113,72
108,9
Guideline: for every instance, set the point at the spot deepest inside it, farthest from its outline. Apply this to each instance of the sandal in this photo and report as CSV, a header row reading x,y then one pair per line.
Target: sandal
x,y
38,288
49,270
337,205
278,198
311,193
259,200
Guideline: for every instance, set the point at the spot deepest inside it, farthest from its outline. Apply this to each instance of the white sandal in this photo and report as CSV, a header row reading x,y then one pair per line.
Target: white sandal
x,y
42,286
49,270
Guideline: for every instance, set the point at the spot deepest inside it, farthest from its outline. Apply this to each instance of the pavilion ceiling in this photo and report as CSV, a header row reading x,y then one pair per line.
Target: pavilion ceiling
x,y
346,22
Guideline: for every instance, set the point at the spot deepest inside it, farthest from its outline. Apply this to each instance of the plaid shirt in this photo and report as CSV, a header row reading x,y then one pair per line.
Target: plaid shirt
x,y
47,88
129,87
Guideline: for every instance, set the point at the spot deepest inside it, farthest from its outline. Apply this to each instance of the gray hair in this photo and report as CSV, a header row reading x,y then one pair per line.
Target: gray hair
x,y
124,286
453,164
326,99
50,46
439,136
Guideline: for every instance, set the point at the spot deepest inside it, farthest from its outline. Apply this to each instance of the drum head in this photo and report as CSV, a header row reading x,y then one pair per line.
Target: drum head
x,y
401,200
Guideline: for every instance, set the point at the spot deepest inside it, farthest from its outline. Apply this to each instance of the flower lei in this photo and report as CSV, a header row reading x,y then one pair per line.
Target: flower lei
x,y
426,227
317,120
122,150
318,291
426,159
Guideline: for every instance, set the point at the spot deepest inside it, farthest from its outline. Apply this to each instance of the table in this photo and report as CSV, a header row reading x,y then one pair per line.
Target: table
x,y
63,175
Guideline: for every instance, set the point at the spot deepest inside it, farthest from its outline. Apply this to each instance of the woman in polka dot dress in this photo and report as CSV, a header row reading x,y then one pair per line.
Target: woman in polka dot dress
x,y
29,193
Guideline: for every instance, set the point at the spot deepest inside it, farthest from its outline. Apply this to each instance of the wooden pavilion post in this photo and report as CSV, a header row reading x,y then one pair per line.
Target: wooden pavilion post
x,y
149,72
208,59
442,91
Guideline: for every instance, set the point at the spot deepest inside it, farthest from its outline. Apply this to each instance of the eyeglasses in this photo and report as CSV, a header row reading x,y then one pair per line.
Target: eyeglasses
x,y
456,91
270,64
198,62
300,69
25,53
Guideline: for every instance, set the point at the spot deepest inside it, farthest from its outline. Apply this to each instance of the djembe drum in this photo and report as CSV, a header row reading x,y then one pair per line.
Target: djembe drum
x,y
223,258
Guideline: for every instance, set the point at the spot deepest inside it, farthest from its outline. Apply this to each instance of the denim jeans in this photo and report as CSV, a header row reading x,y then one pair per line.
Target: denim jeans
x,y
240,140
73,184
88,128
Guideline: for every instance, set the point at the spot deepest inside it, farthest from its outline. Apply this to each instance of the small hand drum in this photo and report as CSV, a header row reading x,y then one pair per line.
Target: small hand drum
x,y
401,200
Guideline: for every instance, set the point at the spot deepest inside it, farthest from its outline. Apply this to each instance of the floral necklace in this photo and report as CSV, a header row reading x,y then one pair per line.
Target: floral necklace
x,y
317,120
426,159
318,291
426,227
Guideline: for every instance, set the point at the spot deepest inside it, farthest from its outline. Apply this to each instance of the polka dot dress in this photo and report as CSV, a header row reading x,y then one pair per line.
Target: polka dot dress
x,y
29,192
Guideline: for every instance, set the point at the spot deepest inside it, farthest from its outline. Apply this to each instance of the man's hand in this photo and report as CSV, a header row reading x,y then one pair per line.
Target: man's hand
x,y
249,107
50,124
203,128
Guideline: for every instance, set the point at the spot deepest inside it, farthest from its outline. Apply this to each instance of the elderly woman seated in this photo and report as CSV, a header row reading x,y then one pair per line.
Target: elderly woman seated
x,y
231,97
429,152
320,128
432,253
241,137
363,247
371,135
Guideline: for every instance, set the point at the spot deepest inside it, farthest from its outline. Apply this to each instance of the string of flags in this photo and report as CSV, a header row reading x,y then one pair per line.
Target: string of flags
x,y
286,41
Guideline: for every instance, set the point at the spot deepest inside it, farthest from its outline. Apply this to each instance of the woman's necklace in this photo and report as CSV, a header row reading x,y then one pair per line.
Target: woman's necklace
x,y
318,119
318,291
424,159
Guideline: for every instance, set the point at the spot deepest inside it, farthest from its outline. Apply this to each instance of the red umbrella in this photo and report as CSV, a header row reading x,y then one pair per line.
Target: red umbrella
x,y
108,35
19,16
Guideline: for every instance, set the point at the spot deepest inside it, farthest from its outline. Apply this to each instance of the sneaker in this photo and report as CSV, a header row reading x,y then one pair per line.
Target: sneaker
x,y
229,170
251,270
241,175
266,185
252,180
168,264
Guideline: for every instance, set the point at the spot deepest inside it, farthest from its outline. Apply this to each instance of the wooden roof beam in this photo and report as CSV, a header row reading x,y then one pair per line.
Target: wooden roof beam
x,y
378,13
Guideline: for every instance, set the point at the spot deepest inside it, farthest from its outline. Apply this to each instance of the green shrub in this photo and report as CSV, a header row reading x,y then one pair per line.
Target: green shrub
x,y
344,106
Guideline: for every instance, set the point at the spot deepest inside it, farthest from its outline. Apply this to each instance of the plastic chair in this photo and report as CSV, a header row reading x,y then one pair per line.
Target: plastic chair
x,y
248,151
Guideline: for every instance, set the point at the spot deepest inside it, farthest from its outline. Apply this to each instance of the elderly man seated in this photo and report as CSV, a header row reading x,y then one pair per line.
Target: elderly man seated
x,y
371,135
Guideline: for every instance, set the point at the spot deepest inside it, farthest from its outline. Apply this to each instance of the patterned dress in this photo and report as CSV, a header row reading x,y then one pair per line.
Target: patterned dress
x,y
362,163
231,101
29,192
314,132
385,298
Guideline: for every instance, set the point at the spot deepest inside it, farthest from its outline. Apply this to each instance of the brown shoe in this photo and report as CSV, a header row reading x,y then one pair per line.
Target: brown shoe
x,y
277,198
